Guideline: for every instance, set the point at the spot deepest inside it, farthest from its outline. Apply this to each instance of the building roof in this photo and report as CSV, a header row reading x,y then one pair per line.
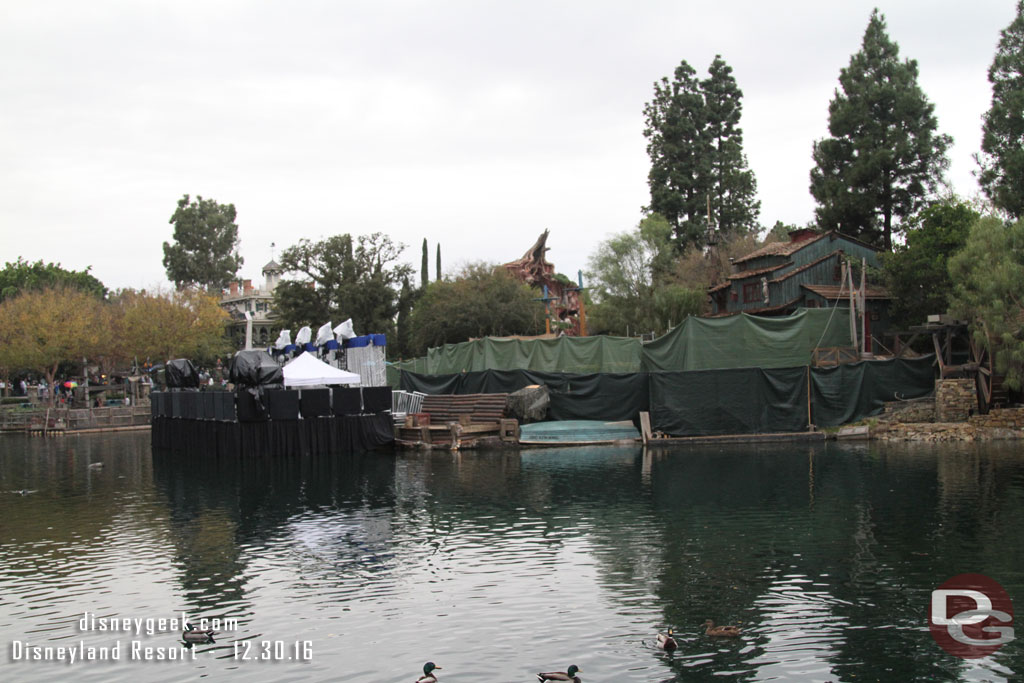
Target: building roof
x,y
838,291
787,248
761,271
272,266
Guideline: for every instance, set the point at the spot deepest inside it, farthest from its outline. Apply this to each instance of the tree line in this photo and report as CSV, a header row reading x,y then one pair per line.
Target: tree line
x,y
877,176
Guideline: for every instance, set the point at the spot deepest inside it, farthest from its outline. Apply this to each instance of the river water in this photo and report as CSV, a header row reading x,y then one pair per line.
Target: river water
x,y
499,564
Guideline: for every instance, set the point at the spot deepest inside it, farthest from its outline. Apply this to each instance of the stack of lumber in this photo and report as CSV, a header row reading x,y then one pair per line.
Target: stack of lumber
x,y
454,421
452,407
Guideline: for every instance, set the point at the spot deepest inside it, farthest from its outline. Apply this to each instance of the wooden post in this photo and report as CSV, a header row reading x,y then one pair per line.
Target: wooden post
x,y
810,424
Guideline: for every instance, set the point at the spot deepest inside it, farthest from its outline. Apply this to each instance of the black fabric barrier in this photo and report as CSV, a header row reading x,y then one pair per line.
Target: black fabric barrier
x,y
346,401
605,396
848,393
283,438
739,401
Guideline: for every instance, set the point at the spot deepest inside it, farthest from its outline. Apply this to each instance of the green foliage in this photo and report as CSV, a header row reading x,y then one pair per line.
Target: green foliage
x,y
481,301
733,189
424,266
988,278
22,276
696,151
205,248
883,157
438,276
779,232
401,347
630,282
917,273
335,279
1002,144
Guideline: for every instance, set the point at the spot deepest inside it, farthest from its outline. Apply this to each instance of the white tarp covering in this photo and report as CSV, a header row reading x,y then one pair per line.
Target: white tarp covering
x,y
324,334
283,340
304,335
305,370
345,330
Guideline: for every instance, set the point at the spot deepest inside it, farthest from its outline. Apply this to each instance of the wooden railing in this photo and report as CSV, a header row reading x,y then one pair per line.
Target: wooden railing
x,y
831,356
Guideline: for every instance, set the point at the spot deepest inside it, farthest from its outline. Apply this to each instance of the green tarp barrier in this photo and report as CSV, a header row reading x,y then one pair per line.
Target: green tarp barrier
x,y
848,393
709,402
738,401
579,355
605,396
747,341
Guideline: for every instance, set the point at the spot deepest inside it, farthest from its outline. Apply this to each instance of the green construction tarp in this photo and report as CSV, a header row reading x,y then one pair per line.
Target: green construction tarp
x,y
735,401
747,341
604,396
579,355
847,393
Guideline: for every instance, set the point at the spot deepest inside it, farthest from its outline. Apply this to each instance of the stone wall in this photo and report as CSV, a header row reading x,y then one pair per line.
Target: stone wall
x,y
999,418
916,411
955,400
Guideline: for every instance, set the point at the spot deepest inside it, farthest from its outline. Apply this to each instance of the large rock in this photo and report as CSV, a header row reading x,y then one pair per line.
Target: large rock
x,y
529,404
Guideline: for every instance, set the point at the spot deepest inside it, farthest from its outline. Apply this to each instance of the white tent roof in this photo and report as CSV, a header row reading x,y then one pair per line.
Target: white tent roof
x,y
305,370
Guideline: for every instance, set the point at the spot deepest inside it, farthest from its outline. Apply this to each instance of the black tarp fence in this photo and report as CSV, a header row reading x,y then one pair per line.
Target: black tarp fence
x,y
217,423
709,402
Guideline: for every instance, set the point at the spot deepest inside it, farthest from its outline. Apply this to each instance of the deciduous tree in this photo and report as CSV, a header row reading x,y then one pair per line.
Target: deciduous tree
x,y
21,275
335,279
41,328
883,157
631,283
482,300
205,248
1002,144
188,323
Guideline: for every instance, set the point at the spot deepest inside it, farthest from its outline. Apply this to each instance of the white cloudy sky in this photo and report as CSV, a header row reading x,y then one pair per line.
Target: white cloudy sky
x,y
474,124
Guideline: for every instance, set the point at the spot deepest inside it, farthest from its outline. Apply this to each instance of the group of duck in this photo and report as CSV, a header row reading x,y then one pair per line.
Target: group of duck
x,y
666,641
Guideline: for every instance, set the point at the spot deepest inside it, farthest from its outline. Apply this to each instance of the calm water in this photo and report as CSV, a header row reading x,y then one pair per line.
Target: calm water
x,y
496,565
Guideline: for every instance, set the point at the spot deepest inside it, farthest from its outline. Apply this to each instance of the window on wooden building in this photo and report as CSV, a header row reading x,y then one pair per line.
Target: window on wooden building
x,y
752,292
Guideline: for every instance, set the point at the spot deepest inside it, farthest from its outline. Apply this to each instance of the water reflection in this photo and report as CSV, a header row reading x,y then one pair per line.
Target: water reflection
x,y
511,562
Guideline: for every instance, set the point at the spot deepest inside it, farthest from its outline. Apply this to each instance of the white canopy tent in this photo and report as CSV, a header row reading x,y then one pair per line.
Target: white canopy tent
x,y
305,370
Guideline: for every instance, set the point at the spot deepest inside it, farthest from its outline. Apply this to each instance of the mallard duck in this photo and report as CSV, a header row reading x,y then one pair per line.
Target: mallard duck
x,y
428,673
561,675
723,631
666,641
193,635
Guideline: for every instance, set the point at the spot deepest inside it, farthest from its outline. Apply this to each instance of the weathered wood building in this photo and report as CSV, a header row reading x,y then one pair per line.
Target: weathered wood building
x,y
805,272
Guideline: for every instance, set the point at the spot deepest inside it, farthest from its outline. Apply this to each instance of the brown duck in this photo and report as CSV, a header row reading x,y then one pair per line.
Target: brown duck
x,y
720,631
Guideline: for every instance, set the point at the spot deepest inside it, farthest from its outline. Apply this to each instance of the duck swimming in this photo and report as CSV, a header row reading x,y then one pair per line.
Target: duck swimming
x,y
569,676
667,642
193,635
428,673
720,631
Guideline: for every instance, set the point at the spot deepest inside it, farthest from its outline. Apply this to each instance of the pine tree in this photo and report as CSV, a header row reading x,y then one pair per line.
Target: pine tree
x,y
679,152
1001,175
734,204
438,278
884,157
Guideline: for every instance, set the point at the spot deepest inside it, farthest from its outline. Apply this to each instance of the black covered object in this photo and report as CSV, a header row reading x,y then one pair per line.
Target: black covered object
x,y
251,406
376,399
181,374
347,401
315,403
283,404
255,368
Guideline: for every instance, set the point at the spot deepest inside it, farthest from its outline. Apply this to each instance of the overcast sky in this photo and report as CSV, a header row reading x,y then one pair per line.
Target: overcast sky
x,y
473,124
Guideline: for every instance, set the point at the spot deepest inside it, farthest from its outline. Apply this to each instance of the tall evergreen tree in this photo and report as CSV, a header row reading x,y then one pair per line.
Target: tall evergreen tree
x,y
424,267
1002,144
438,278
679,152
734,204
883,157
